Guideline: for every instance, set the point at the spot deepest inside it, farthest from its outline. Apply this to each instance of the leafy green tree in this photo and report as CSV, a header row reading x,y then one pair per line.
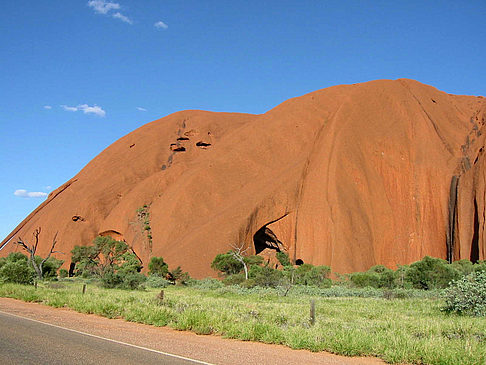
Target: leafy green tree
x,y
158,267
227,264
177,276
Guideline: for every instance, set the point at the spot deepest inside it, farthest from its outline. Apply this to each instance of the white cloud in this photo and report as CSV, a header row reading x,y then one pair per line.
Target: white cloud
x,y
122,17
141,109
95,109
102,6
86,109
47,107
48,187
29,194
161,25
69,108
106,7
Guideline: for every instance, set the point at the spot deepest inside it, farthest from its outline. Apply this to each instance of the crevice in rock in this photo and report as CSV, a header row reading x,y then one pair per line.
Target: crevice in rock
x,y
299,262
451,228
203,144
77,218
474,257
183,139
179,149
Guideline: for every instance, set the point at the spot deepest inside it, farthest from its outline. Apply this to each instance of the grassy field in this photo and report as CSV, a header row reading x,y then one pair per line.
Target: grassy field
x,y
411,330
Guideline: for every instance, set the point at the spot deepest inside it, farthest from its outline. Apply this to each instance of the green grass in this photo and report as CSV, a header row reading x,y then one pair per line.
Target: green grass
x,y
411,330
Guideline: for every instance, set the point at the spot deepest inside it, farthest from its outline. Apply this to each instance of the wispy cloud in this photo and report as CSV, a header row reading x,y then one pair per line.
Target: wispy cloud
x,y
86,109
29,194
141,109
161,25
103,7
107,8
47,107
69,108
122,17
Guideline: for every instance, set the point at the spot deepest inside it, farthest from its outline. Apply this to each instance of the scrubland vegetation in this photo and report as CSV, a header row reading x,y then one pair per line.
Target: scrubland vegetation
x,y
429,312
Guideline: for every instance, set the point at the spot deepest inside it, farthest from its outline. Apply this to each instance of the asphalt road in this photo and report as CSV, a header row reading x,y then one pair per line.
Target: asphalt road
x,y
25,341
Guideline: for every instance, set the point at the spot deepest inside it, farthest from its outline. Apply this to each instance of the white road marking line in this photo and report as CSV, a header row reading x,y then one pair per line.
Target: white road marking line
x,y
111,340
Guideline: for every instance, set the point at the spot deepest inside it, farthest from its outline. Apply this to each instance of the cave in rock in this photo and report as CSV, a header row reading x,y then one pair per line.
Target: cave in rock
x,y
265,238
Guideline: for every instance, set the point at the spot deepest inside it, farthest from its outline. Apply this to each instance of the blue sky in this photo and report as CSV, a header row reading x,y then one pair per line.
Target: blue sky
x,y
77,75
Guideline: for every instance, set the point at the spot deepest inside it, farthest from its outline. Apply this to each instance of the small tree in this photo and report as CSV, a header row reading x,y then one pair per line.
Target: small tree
x,y
31,249
158,267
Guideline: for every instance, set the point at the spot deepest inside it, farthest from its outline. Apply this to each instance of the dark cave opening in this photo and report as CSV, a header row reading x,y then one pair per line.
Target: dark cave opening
x,y
299,262
71,269
474,257
265,238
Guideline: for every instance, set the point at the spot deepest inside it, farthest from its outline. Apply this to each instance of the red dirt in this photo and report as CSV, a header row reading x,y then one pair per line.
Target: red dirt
x,y
363,171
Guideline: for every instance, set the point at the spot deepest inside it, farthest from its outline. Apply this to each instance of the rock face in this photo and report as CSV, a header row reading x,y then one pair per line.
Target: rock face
x,y
383,172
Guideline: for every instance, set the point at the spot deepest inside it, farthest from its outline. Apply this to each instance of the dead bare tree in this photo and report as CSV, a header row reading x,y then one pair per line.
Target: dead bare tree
x,y
238,253
31,249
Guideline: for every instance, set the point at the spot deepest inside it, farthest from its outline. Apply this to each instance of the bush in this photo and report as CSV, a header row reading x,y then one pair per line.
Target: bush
x,y
283,258
234,279
377,276
307,274
227,264
467,295
480,266
19,272
50,267
132,281
266,276
155,281
207,283
63,273
157,266
431,273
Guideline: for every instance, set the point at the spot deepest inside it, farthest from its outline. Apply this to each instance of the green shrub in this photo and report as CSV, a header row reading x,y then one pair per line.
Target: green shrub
x,y
266,276
431,273
480,266
133,280
467,295
63,273
307,274
19,272
207,283
227,264
464,267
234,279
283,258
50,267
157,266
155,281
365,279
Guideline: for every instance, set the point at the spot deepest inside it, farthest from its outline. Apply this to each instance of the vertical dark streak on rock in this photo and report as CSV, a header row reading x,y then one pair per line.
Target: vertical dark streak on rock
x,y
451,227
474,257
